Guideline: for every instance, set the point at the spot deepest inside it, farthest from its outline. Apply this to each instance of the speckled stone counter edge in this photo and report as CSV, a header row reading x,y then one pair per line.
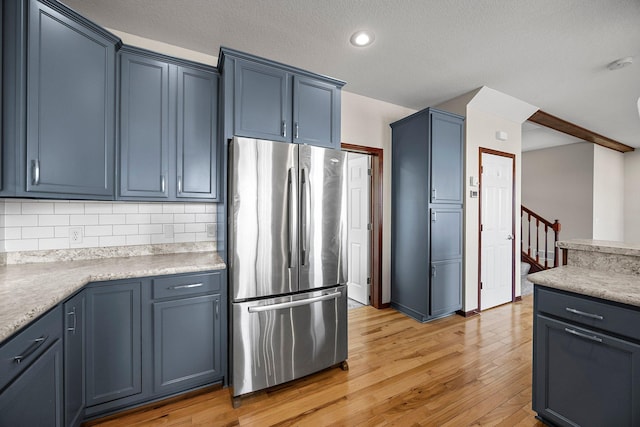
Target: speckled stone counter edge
x,y
28,291
602,246
76,254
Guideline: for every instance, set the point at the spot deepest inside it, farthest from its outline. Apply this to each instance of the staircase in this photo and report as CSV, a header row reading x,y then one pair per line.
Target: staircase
x,y
538,244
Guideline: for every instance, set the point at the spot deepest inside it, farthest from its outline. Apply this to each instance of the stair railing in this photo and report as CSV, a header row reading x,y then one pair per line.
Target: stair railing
x,y
549,233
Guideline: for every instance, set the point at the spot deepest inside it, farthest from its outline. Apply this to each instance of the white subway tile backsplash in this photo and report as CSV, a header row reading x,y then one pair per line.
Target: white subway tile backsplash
x,y
69,208
113,240
15,220
37,208
184,218
44,244
92,219
28,224
98,230
46,220
163,218
150,229
150,208
21,245
140,218
37,232
125,230
112,219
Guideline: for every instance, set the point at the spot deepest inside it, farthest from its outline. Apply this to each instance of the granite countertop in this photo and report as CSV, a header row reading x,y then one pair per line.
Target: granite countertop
x,y
602,246
623,288
29,290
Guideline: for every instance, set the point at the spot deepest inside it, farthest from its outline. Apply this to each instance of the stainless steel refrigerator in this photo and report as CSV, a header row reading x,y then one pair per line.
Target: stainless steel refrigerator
x,y
287,261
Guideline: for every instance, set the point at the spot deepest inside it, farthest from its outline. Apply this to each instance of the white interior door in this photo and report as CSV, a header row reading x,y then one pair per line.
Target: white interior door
x,y
358,214
496,218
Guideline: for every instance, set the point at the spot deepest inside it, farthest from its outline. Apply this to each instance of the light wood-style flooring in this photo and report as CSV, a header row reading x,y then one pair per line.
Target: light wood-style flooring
x,y
449,372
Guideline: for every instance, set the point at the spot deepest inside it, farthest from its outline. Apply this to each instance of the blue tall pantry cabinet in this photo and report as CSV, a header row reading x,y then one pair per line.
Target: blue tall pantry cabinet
x,y
427,214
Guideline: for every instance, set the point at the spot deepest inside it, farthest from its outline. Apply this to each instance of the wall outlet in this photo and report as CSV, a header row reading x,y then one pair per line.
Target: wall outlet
x,y
75,235
211,230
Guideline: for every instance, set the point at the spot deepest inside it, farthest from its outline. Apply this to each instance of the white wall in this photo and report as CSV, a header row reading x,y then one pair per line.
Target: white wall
x,y
608,194
365,121
557,183
631,198
481,127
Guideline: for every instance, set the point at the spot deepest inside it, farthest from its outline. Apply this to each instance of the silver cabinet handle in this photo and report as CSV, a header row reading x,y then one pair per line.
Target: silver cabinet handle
x,y
75,320
192,285
284,128
434,216
296,130
29,351
433,194
582,335
162,183
290,214
289,304
35,166
584,314
217,304
433,271
179,184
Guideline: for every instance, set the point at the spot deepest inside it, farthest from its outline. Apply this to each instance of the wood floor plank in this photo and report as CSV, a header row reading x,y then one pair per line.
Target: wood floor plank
x,y
453,371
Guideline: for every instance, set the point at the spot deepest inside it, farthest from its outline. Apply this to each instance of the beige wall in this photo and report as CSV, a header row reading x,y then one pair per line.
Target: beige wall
x,y
365,121
608,194
557,183
631,199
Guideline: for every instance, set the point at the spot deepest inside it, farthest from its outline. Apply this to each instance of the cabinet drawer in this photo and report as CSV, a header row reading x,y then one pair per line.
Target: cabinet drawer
x,y
29,344
587,311
191,284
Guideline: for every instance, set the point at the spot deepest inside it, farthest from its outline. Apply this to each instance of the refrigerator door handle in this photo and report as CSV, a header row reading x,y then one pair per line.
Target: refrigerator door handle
x,y
289,304
304,226
290,214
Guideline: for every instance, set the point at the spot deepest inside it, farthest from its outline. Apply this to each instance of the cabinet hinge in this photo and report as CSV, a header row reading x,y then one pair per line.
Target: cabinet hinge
x,y
480,285
369,227
481,227
369,172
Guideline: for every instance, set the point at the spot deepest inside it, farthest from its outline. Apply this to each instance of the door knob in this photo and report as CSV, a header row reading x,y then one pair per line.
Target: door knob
x,y
509,237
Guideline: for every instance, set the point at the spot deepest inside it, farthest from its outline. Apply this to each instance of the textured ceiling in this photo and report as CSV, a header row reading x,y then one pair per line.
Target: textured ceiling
x,y
550,53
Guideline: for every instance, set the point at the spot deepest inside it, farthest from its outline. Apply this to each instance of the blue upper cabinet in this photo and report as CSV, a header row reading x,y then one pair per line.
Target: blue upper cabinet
x,y
262,107
268,100
168,128
446,158
144,126
316,112
61,76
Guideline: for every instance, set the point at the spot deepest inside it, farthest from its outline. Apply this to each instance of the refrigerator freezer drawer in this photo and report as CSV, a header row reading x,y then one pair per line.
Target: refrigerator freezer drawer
x,y
280,339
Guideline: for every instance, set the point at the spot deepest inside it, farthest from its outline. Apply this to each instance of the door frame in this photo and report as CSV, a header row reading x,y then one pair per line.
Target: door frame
x,y
512,156
376,219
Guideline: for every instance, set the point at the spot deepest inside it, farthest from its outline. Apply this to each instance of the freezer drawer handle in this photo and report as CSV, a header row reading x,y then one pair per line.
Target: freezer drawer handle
x,y
261,308
584,314
192,285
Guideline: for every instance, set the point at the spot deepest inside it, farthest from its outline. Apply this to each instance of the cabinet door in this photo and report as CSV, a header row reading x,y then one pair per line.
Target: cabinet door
x,y
583,377
197,147
144,127
74,362
316,113
446,287
113,337
262,104
35,397
446,233
186,335
70,107
446,158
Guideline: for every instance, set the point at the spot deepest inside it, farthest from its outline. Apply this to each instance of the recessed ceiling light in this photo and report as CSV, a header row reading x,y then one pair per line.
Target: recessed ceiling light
x,y
362,38
620,63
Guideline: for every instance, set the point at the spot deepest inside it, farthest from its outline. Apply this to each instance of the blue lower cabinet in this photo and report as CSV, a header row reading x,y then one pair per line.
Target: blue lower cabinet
x,y
31,375
74,360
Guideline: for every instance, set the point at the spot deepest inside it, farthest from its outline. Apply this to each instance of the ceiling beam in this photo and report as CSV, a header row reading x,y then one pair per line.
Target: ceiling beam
x,y
556,123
